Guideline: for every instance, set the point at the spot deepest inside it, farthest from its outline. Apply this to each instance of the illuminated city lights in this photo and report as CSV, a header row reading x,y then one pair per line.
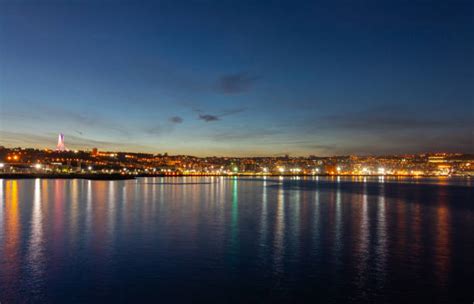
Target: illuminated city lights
x,y
48,161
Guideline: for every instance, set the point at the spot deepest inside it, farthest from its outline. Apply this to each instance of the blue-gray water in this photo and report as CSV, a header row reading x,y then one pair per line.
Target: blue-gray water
x,y
236,240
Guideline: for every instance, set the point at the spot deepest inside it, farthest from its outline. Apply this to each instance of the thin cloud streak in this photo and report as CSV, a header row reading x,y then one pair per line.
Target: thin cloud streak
x,y
211,117
236,83
208,117
176,119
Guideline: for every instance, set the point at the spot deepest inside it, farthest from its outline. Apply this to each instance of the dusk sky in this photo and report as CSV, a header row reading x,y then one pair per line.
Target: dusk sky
x,y
238,77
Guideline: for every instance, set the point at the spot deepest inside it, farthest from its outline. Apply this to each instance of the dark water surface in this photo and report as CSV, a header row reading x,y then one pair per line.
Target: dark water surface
x,y
236,240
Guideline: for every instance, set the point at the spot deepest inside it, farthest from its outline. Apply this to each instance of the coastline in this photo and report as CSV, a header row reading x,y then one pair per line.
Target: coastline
x,y
66,176
118,176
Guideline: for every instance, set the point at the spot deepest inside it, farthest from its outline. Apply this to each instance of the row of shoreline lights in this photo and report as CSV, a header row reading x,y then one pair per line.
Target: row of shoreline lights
x,y
380,170
40,166
235,169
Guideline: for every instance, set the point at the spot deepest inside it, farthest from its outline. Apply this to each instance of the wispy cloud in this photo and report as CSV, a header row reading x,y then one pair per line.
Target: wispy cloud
x,y
235,83
213,117
163,127
176,119
208,117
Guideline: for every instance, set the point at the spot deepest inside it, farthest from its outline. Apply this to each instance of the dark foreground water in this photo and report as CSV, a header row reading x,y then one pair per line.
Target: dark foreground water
x,y
188,240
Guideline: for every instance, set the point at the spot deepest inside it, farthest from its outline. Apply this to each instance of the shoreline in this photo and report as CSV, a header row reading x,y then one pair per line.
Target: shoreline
x,y
98,176
118,176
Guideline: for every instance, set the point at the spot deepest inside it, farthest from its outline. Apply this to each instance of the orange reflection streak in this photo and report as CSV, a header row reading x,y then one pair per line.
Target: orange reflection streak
x,y
401,224
72,210
442,256
416,231
44,196
2,201
338,240
12,237
58,226
99,216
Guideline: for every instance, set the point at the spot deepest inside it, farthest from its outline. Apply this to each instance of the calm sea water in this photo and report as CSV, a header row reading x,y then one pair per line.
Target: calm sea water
x,y
237,240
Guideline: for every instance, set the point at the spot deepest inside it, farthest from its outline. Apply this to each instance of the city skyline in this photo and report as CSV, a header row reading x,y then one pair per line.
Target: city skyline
x,y
239,79
97,164
88,147
61,147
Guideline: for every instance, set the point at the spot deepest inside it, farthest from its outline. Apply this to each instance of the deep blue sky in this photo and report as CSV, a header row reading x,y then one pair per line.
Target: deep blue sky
x,y
239,77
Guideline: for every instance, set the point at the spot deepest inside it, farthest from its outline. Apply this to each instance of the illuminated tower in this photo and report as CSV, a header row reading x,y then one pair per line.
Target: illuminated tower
x,y
61,146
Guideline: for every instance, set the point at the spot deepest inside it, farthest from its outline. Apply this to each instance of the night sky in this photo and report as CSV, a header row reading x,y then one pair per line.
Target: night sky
x,y
239,77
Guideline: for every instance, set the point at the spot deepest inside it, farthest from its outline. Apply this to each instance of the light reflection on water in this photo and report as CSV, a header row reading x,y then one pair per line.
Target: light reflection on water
x,y
279,234
2,203
381,246
235,239
35,258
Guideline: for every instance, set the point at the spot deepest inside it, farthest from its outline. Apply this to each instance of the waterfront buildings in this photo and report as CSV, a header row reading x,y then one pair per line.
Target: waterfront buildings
x,y
21,160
